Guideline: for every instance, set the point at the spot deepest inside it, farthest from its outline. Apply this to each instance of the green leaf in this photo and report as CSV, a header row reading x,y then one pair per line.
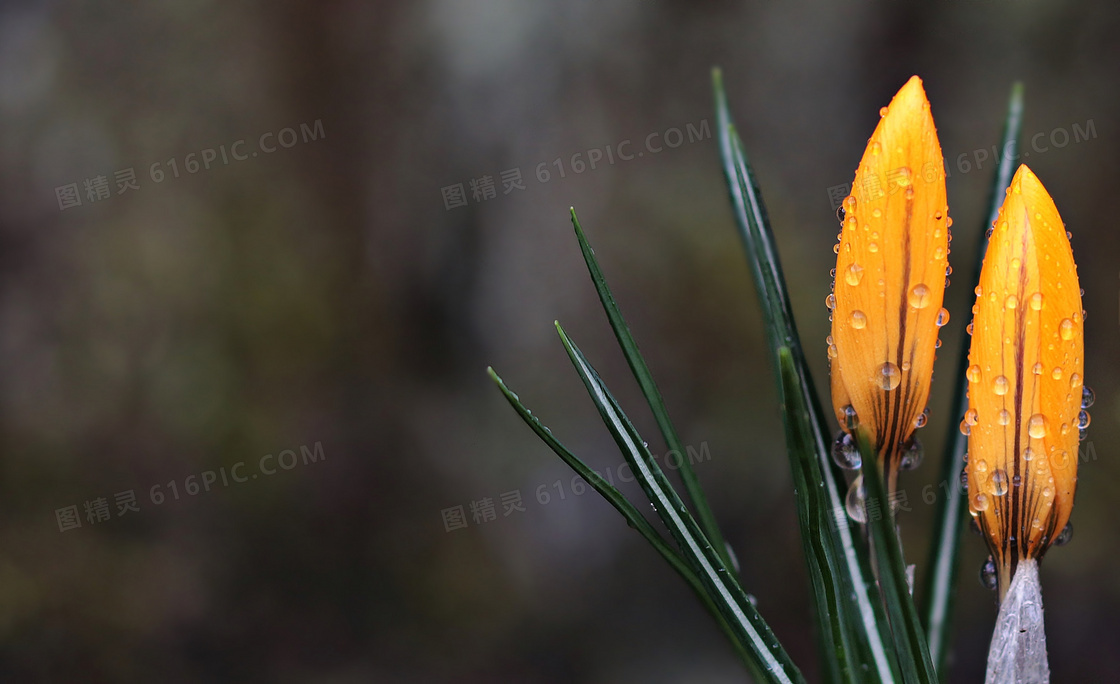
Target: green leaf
x,y
633,517
910,644
832,553
770,662
951,514
653,396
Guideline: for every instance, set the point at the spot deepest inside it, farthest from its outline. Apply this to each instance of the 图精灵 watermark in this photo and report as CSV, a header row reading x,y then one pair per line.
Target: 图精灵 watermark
x,y
100,189
485,187
98,510
485,509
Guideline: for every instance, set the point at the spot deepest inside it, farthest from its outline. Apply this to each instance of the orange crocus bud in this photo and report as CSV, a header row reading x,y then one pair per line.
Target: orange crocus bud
x,y
1026,394
891,272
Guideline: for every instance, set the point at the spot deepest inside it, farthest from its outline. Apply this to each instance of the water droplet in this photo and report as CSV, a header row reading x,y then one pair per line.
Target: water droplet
x,y
937,343
919,296
902,176
845,453
832,351
872,247
1037,368
1028,454
981,466
971,416
1003,417
851,420
973,373
966,429
988,576
942,317
854,501
859,320
1087,397
853,274
1075,381
937,216
1083,420
882,112
979,291
1000,385
840,214
1066,329
1056,373
1036,427
836,248
922,418
887,376
912,455
830,302
964,479
1011,302
979,502
1036,301
1065,535
999,482
968,329
1047,492
849,204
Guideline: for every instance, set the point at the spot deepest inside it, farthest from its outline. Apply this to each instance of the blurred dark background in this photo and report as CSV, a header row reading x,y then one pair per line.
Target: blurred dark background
x,y
335,280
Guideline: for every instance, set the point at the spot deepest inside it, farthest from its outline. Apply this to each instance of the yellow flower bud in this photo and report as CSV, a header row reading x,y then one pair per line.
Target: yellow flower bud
x,y
891,272
1025,380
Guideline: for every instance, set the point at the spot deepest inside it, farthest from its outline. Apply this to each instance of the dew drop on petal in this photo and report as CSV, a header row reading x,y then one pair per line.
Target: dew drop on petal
x,y
999,482
1075,381
922,419
1036,301
1083,420
1087,397
942,317
1000,385
919,296
845,453
1065,535
1037,368
851,420
830,302
971,416
859,320
887,376
1028,454
973,373
1036,427
1003,417
1056,373
872,247
1066,329
853,274
979,502
1011,302
911,456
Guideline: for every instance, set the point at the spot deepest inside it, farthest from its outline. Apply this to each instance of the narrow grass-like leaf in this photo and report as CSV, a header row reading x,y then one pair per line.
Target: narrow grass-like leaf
x,y
633,517
910,644
824,576
952,514
863,616
771,662
641,372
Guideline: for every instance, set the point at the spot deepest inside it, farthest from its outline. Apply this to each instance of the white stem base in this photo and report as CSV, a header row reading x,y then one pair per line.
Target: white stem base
x,y
1018,651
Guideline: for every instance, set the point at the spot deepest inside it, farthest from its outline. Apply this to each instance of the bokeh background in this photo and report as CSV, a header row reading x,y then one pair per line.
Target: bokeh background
x,y
328,292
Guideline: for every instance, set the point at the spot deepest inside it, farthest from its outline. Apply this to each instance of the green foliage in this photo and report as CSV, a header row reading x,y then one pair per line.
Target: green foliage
x,y
867,625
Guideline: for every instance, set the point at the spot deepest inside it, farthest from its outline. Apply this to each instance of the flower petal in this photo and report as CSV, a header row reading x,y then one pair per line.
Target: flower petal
x,y
890,276
1025,379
